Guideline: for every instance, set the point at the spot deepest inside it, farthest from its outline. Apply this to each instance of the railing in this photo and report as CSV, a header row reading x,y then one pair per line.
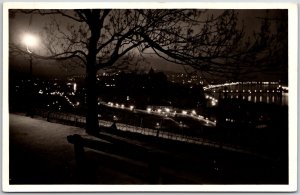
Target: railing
x,y
71,119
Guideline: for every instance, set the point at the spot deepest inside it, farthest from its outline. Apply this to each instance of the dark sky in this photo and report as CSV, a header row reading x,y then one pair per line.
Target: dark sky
x,y
22,23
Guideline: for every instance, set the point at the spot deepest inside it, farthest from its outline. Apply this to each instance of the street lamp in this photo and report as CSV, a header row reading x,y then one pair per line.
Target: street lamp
x,y
30,41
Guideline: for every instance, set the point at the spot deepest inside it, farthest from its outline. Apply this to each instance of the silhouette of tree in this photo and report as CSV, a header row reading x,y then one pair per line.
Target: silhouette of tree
x,y
274,40
97,39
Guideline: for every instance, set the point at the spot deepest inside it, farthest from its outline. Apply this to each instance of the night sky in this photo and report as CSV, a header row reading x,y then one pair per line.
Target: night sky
x,y
21,23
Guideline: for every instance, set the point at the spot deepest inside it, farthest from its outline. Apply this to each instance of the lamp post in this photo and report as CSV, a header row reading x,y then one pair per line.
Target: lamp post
x,y
30,41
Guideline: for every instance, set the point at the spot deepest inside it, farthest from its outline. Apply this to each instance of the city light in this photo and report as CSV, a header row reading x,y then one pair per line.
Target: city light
x,y
157,125
75,87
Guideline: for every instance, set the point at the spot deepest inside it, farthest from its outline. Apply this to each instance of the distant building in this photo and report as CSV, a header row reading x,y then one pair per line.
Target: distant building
x,y
152,88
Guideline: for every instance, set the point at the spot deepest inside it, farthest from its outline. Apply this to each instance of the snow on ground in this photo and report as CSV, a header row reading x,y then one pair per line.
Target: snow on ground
x,y
40,154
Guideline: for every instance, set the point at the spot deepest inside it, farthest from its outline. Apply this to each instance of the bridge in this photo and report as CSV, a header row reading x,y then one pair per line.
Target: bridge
x,y
246,87
269,92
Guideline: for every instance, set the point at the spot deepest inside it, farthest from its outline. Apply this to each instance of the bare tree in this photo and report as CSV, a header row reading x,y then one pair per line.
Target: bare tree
x,y
212,43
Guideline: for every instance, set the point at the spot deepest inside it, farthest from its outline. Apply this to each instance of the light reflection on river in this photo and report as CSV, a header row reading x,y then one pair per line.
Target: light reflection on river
x,y
262,93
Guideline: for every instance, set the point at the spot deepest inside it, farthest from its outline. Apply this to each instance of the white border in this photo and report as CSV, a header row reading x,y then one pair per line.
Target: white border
x,y
148,5
293,53
5,113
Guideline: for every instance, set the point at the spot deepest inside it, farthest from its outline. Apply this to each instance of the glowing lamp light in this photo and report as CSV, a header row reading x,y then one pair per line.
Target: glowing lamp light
x,y
30,41
75,87
157,125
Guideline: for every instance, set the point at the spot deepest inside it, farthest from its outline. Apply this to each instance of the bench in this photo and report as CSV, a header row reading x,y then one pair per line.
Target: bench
x,y
122,154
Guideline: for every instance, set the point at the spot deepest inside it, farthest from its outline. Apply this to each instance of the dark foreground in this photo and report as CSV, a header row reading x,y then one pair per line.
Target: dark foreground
x,y
40,153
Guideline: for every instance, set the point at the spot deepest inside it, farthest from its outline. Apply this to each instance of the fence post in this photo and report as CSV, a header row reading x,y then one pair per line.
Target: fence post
x,y
48,116
75,121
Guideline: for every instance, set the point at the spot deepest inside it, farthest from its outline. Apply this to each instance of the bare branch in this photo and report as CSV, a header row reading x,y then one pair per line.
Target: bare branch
x,y
52,12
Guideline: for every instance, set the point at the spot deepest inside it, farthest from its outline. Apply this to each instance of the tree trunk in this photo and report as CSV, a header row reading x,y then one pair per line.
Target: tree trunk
x,y
92,124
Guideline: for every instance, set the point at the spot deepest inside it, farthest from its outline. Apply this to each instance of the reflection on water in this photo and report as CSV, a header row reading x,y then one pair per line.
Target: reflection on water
x,y
267,98
254,93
